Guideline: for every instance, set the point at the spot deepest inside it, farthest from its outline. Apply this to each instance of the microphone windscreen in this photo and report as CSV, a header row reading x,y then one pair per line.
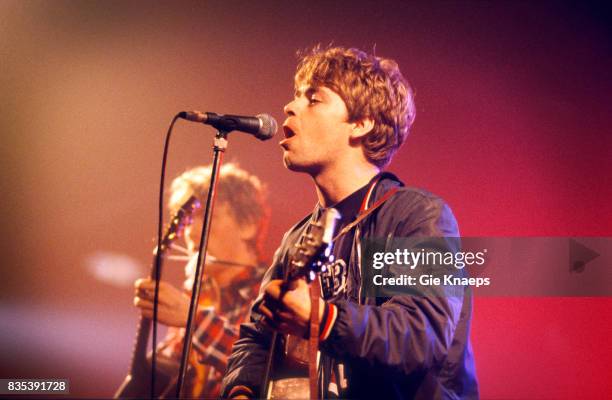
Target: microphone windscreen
x,y
268,127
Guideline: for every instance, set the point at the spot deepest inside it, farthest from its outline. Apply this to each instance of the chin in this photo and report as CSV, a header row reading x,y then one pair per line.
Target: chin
x,y
288,162
291,164
296,166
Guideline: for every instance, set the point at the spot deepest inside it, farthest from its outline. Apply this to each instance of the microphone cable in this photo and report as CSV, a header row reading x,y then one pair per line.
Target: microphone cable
x,y
158,252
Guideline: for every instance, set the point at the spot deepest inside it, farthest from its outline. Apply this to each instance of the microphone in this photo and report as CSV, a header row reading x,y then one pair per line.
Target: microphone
x,y
262,126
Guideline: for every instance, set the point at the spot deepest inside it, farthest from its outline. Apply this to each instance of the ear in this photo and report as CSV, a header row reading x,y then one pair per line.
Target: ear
x,y
362,128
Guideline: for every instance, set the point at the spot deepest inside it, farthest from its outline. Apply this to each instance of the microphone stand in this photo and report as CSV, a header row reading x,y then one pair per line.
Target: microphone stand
x,y
220,144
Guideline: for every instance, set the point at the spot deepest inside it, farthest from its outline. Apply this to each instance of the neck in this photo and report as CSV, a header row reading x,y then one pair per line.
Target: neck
x,y
338,182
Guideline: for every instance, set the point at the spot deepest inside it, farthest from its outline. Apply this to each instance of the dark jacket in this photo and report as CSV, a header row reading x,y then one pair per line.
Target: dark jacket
x,y
398,347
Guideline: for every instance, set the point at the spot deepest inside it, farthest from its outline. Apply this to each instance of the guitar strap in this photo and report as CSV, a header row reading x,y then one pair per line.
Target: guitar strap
x,y
315,291
313,339
365,210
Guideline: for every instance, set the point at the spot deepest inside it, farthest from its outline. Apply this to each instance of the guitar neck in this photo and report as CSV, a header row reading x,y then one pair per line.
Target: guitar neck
x,y
143,330
139,354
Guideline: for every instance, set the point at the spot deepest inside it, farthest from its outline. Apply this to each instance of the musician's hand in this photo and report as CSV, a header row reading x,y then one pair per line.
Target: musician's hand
x,y
288,311
173,303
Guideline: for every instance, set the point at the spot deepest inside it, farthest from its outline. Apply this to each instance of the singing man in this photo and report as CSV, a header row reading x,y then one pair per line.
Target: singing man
x,y
350,114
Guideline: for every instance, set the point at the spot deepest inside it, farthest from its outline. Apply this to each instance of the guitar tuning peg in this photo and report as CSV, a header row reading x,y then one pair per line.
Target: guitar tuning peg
x,y
311,276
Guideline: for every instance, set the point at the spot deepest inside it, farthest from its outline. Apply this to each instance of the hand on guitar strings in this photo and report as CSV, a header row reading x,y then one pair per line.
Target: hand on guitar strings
x,y
173,303
287,310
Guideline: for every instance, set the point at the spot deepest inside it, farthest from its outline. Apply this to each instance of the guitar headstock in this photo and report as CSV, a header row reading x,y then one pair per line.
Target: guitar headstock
x,y
182,218
314,247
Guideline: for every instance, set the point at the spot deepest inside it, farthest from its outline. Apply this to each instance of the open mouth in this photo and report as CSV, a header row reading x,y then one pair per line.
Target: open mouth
x,y
289,133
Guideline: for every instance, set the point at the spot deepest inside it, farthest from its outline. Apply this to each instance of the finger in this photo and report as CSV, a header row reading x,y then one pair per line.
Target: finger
x,y
283,316
267,324
276,316
142,283
143,293
143,303
149,284
272,302
265,311
147,291
279,326
274,289
137,283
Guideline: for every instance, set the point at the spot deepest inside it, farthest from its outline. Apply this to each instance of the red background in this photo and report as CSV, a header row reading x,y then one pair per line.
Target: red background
x,y
512,129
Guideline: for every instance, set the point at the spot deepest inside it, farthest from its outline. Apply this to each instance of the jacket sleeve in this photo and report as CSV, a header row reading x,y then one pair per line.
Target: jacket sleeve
x,y
405,333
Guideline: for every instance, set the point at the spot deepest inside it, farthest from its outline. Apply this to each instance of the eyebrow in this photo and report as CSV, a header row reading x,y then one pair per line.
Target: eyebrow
x,y
310,90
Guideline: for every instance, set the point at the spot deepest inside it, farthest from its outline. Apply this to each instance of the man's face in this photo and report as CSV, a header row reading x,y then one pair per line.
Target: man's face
x,y
316,129
224,231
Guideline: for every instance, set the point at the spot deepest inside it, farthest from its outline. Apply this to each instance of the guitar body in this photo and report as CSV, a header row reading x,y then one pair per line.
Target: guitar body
x,y
290,380
138,385
133,387
297,388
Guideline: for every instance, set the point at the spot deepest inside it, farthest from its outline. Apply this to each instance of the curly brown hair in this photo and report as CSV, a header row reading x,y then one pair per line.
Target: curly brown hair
x,y
371,87
242,191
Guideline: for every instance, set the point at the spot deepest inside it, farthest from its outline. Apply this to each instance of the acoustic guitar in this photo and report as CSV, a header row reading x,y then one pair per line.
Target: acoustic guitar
x,y
312,254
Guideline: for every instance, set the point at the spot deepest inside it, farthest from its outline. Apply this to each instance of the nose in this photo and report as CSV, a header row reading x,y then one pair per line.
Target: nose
x,y
289,108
